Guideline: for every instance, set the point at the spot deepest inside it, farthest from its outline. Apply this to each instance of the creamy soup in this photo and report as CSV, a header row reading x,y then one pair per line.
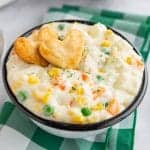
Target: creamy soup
x,y
102,85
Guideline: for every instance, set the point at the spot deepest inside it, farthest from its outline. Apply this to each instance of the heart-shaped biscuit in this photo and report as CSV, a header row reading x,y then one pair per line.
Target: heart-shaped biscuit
x,y
66,53
28,52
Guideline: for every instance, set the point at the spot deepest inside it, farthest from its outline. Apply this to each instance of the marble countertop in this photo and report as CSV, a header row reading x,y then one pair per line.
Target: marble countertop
x,y
24,14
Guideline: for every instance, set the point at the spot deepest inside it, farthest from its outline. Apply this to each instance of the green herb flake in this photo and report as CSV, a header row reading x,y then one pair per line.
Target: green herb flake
x,y
61,27
48,110
22,95
106,51
106,104
99,77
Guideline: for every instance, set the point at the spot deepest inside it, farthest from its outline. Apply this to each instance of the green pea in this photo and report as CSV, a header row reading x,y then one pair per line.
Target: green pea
x,y
99,77
22,95
61,26
48,110
86,111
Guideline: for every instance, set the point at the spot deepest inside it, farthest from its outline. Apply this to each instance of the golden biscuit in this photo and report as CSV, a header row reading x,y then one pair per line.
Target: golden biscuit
x,y
66,53
28,52
34,36
46,34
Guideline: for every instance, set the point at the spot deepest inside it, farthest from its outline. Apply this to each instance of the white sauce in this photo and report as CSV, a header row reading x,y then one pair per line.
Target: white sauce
x,y
120,79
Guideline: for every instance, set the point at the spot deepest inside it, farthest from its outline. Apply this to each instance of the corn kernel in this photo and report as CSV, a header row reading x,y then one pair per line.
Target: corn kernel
x,y
16,85
129,60
76,118
46,97
54,72
80,91
98,107
106,43
108,32
42,97
101,70
81,101
33,79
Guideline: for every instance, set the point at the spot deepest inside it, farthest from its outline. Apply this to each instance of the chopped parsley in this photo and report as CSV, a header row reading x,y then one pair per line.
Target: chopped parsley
x,y
99,77
106,51
22,95
106,104
61,27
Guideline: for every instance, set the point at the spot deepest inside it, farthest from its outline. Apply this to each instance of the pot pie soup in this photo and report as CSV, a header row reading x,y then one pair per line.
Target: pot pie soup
x,y
74,73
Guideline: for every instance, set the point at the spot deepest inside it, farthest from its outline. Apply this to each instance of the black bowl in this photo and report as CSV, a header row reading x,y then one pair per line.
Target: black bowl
x,y
69,126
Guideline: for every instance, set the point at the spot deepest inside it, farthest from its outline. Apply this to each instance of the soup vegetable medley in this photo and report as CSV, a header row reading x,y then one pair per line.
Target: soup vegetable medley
x,y
74,73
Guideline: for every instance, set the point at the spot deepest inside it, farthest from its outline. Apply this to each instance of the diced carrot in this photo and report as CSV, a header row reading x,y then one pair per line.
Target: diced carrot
x,y
55,81
134,61
72,102
85,77
62,87
139,63
113,107
99,92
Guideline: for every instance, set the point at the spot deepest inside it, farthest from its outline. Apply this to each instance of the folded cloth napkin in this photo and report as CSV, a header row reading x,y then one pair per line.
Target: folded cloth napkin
x,y
18,132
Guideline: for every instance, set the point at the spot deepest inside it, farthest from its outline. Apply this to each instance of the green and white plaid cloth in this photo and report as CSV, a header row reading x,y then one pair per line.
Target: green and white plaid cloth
x,y
17,132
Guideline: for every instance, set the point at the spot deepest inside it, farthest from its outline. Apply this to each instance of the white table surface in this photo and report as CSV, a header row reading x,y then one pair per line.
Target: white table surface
x,y
24,14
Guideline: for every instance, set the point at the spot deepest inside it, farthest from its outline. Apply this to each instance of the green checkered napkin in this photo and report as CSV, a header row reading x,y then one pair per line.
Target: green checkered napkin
x,y
17,132
110,14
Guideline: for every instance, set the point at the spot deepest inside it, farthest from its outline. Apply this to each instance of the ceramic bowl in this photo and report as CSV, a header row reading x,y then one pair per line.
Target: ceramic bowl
x,y
74,130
